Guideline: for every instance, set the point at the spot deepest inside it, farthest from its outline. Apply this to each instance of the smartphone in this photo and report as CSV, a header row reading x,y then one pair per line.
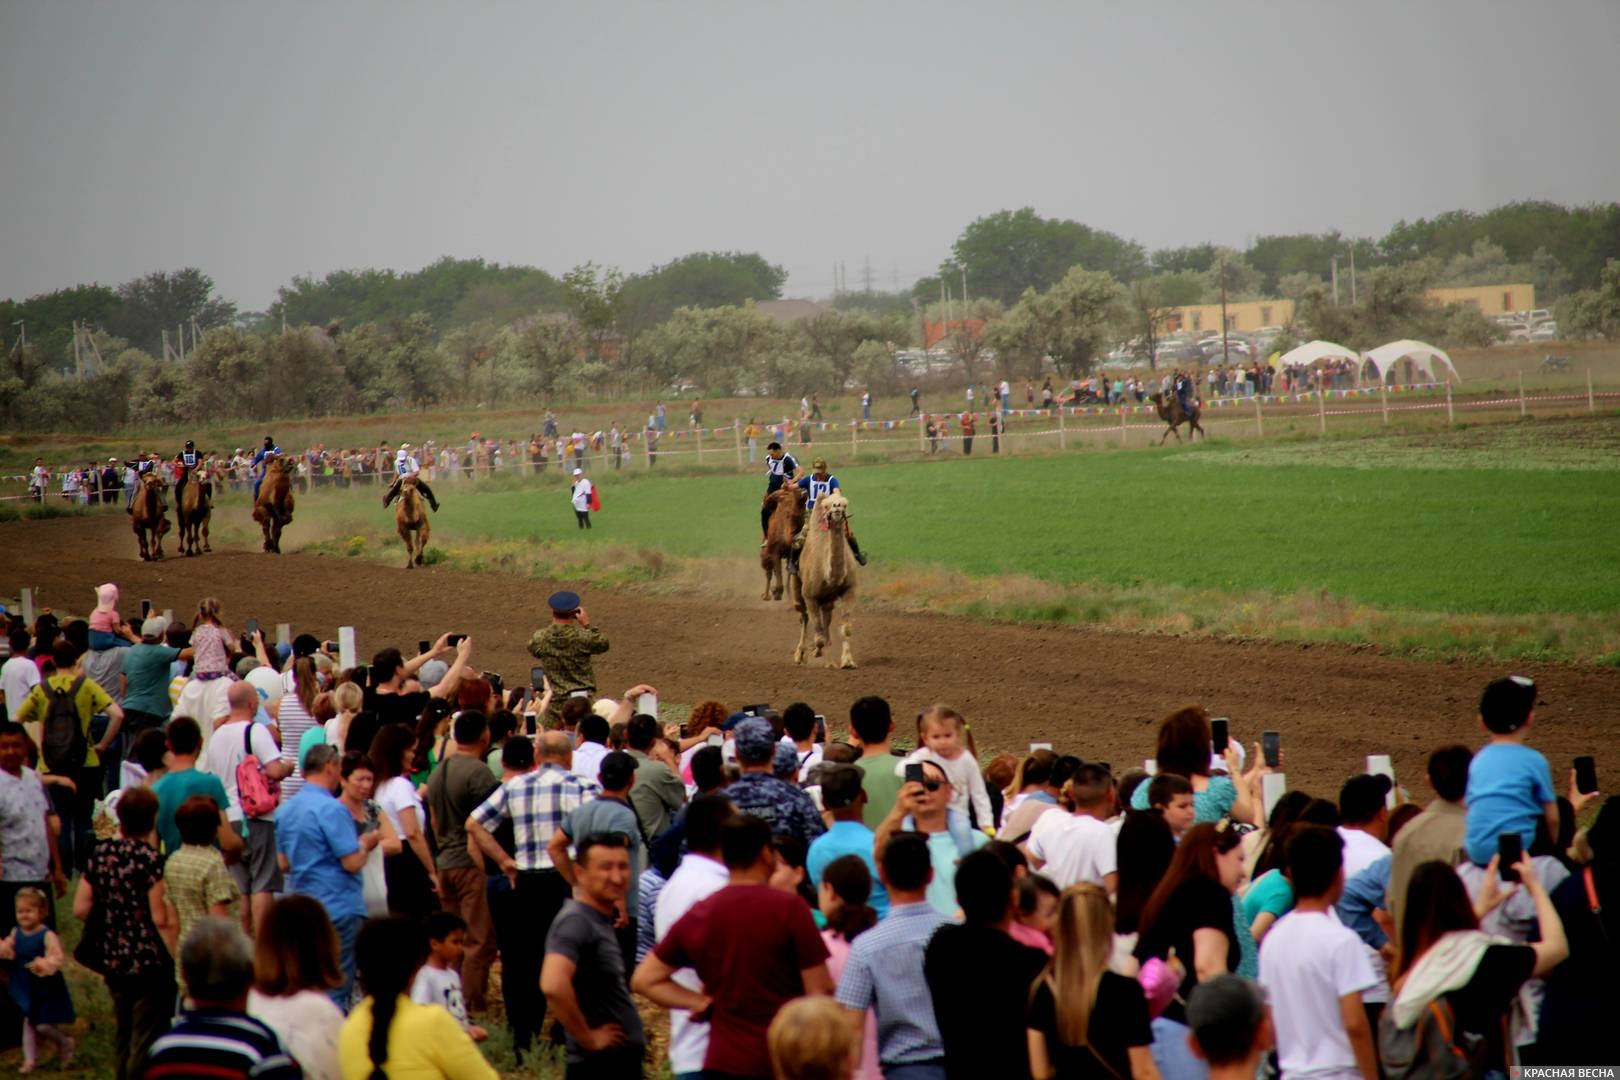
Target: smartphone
x,y
1586,774
528,696
1218,735
821,728
537,678
146,608
329,646
454,639
423,646
914,773
1271,747
717,740
252,627
1509,850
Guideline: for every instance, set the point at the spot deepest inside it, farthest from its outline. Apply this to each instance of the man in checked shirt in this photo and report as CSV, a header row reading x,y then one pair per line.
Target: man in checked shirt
x,y
536,803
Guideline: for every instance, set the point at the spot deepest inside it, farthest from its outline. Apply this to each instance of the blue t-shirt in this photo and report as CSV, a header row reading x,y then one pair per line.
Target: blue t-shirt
x,y
1209,805
174,788
1509,785
147,667
315,832
847,838
1270,892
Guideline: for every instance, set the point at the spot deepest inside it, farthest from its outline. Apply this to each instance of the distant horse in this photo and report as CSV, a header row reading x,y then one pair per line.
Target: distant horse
x,y
826,574
273,509
1171,412
147,516
410,518
194,508
786,518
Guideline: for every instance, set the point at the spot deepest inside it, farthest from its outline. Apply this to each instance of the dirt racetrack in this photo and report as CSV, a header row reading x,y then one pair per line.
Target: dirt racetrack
x,y
1096,694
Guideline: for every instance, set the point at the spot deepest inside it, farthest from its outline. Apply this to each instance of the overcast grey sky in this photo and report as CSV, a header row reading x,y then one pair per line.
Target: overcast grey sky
x,y
258,141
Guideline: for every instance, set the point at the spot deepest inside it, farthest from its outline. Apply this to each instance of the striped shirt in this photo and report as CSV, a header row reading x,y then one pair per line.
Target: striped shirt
x,y
221,1044
537,804
293,720
885,972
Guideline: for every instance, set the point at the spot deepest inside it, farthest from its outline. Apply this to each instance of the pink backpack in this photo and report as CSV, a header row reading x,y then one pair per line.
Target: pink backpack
x,y
1160,980
256,792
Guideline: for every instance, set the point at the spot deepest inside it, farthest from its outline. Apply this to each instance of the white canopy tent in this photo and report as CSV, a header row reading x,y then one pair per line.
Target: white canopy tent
x,y
1312,351
1425,358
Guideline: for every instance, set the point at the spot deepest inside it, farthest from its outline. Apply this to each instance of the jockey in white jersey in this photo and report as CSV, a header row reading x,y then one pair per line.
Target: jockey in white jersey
x,y
818,483
405,464
779,469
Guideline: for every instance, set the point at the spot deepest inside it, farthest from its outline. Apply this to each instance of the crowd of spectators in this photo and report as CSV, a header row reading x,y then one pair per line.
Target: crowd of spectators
x,y
288,867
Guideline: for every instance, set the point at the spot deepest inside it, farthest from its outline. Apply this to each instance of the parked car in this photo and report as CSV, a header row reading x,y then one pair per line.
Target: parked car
x,y
1547,330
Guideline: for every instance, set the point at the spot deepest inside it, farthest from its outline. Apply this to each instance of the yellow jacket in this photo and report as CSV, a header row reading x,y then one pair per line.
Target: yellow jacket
x,y
424,1043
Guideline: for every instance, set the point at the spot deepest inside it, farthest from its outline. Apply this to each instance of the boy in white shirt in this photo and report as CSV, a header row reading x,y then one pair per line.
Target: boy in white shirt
x,y
1314,969
438,982
1083,847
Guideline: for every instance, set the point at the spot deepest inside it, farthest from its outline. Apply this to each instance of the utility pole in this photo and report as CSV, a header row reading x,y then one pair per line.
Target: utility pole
x,y
944,307
964,286
1226,355
835,280
78,354
866,276
1335,281
1352,276
22,333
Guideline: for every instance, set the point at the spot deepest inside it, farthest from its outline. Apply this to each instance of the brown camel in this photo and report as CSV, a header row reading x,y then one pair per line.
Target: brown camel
x,y
194,508
410,518
826,574
1171,412
273,509
148,519
786,518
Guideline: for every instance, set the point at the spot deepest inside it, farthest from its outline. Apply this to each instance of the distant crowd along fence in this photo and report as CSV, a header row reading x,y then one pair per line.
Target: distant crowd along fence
x,y
1097,424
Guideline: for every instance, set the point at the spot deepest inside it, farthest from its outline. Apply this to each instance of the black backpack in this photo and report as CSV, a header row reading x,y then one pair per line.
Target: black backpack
x,y
62,743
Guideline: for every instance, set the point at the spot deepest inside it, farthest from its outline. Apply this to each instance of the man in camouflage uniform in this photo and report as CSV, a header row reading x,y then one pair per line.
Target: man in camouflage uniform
x,y
565,649
784,806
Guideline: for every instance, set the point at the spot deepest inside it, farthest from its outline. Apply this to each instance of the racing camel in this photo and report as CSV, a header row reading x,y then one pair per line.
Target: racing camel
x,y
1171,412
786,518
273,509
825,574
147,516
194,508
410,518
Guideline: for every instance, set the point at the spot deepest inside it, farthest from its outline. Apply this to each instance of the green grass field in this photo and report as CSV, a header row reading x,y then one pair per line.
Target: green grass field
x,y
1496,539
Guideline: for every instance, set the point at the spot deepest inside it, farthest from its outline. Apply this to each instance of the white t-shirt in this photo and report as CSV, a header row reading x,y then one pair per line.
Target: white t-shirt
x,y
588,760
1308,961
582,494
808,759
224,753
1361,850
697,878
1075,848
441,987
308,1024
18,676
397,795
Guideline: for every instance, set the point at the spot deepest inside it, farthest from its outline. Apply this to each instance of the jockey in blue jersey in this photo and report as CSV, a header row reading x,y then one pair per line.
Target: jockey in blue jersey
x,y
405,464
779,469
818,483
1185,392
261,464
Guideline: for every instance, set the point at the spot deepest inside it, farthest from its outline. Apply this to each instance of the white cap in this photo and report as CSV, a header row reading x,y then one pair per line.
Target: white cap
x,y
404,446
579,472
266,682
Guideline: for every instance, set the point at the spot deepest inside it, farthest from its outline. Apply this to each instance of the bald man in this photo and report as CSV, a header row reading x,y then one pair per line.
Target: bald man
x,y
257,873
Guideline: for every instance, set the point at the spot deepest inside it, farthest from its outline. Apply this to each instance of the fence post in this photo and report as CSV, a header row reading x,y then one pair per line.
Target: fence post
x,y
1521,395
1321,410
1063,438
1591,405
736,437
28,607
1451,417
699,433
1124,421
1383,397
1259,425
854,439
922,436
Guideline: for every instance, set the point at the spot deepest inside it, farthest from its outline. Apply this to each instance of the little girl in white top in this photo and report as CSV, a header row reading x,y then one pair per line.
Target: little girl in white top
x,y
946,741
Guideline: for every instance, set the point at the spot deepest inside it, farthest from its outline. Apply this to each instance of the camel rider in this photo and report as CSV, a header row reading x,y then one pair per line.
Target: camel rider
x,y
779,469
142,464
261,463
819,483
405,464
1185,389
186,461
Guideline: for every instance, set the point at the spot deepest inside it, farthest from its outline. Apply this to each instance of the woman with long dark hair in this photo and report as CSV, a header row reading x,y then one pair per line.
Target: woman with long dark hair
x,y
1187,925
1081,1014
1184,749
1446,959
1146,847
388,1034
413,879
1270,895
846,886
1582,996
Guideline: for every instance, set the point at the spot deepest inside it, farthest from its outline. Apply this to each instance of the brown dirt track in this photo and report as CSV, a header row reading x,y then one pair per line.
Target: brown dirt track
x,y
1092,693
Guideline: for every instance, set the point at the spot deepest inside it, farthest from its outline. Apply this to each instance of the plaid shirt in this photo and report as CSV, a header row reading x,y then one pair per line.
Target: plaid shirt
x,y
536,803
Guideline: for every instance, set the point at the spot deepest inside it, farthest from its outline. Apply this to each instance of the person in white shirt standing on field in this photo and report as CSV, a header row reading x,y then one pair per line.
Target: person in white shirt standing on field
x,y
405,464
1315,969
583,490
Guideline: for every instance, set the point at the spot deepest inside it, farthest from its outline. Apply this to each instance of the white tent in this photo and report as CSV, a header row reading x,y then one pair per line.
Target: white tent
x,y
1425,358
1312,351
